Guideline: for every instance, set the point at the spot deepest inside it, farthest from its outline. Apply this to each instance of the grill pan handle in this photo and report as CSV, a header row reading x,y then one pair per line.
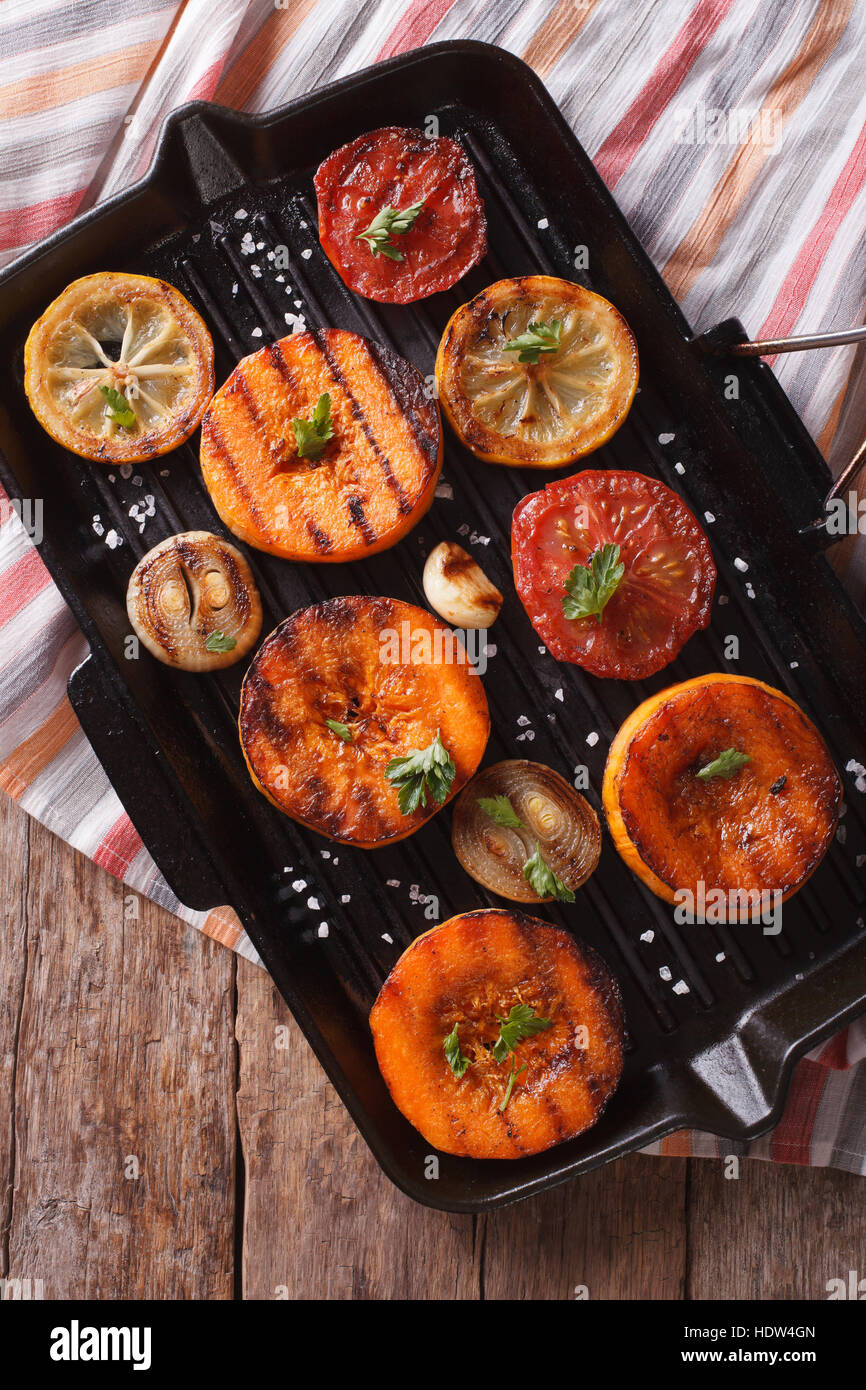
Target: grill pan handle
x,y
150,794
726,339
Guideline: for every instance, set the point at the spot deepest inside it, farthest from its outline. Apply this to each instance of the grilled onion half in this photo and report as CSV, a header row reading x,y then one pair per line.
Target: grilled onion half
x,y
554,818
193,602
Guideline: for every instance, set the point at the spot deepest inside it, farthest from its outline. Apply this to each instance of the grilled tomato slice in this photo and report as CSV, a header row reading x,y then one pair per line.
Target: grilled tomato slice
x,y
499,1035
119,368
342,690
613,570
193,602
535,372
721,780
399,214
322,446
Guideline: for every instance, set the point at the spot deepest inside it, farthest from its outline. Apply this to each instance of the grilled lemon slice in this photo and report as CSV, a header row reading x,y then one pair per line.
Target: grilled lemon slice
x,y
119,368
193,602
535,372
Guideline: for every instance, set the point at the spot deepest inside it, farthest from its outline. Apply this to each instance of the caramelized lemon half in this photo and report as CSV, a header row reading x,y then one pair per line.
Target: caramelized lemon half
x,y
119,368
535,372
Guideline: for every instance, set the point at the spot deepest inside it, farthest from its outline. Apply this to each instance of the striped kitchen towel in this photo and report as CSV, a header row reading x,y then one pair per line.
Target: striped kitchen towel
x,y
733,134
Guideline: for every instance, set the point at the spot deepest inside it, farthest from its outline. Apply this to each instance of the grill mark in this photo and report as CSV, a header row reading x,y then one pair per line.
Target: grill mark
x,y
358,518
410,399
213,436
241,387
321,342
321,540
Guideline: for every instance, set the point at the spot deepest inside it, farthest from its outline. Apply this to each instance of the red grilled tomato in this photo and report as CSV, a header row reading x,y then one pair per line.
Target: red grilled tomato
x,y
664,594
391,171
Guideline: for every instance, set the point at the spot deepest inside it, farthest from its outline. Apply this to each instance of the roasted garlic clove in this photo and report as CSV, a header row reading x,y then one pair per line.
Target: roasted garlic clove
x,y
193,602
458,589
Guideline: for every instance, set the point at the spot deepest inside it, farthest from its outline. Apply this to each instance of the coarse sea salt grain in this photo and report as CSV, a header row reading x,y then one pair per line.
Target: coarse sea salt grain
x,y
445,490
559,694
648,935
543,224
241,214
346,898
306,254
679,468
666,438
522,720
299,885
740,565
323,929
720,957
393,882
681,987
859,770
257,333
389,939
665,972
313,904
592,739
710,517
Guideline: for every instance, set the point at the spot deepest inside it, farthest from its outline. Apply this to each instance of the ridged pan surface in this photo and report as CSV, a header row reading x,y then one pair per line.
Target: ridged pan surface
x,y
716,1015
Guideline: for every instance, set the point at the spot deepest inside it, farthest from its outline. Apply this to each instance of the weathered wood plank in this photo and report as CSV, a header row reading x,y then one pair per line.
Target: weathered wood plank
x,y
125,1065
618,1232
320,1218
14,855
774,1232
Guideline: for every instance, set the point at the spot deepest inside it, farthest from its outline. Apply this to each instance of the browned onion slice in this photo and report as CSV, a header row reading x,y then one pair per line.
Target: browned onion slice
x,y
193,602
554,816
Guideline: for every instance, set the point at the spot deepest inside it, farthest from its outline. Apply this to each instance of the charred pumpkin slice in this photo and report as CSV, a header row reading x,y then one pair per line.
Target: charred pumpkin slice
x,y
342,690
322,446
467,1081
721,780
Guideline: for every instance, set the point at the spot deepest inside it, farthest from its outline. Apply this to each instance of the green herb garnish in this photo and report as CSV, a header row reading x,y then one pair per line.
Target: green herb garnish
x,y
387,223
544,881
422,770
455,1058
341,730
119,408
312,435
512,1076
590,587
522,1022
501,811
727,764
538,338
219,642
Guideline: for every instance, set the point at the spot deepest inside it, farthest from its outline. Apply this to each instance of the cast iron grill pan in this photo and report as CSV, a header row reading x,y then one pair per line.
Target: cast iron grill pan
x,y
716,1015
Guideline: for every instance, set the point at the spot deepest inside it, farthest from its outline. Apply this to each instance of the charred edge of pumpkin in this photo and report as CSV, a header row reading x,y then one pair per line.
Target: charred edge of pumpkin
x,y
621,824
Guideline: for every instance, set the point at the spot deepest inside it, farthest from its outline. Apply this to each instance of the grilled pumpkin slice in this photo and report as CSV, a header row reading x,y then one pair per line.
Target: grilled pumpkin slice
x,y
468,975
764,824
389,677
372,480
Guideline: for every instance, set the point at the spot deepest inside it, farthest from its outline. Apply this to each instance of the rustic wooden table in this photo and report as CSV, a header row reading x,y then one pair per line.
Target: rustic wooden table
x,y
156,1141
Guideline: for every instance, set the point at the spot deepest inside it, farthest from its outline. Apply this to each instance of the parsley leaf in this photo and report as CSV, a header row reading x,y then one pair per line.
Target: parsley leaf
x,y
219,642
512,1076
312,435
119,408
522,1022
501,811
589,587
456,1061
341,730
422,770
387,223
538,338
539,874
727,764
